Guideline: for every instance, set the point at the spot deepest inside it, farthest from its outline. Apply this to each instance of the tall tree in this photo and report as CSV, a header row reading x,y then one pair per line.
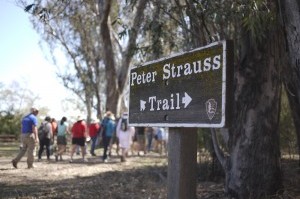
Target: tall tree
x,y
290,13
15,98
253,165
15,102
85,30
60,24
253,168
116,81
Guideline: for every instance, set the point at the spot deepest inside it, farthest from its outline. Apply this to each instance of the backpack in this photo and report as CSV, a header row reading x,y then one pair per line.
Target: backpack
x,y
42,131
124,124
102,127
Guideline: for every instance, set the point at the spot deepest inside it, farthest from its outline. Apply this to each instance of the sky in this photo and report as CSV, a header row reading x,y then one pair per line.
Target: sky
x,y
22,60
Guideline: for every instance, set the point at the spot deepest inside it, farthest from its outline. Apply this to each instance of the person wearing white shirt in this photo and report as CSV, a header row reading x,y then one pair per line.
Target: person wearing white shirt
x,y
125,134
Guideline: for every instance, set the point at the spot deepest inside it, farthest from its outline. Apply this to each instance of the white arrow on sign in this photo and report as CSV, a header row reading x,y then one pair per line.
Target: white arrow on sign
x,y
142,105
186,100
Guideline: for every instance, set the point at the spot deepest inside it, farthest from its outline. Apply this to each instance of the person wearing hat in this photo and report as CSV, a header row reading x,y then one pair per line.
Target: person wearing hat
x,y
79,134
29,137
94,128
109,126
45,138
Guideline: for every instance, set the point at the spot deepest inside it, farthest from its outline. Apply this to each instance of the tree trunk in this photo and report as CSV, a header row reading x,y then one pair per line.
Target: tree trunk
x,y
291,18
253,168
115,82
112,89
88,106
130,50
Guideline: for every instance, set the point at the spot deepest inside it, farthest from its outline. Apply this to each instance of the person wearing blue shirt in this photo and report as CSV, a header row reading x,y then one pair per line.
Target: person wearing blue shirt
x,y
109,126
29,138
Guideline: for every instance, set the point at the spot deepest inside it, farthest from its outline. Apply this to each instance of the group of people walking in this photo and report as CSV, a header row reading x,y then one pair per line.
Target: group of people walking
x,y
109,131
31,135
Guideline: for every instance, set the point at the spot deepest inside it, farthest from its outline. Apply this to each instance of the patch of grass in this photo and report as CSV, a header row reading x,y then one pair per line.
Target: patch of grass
x,y
8,149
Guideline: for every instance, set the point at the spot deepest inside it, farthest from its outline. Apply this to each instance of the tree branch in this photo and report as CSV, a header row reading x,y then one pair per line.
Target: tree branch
x,y
219,152
122,78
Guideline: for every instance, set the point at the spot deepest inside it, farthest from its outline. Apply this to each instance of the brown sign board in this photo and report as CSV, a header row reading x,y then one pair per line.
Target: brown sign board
x,y
191,89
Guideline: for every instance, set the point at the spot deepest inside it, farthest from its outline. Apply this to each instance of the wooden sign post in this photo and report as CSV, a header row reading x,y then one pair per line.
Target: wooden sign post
x,y
190,89
182,163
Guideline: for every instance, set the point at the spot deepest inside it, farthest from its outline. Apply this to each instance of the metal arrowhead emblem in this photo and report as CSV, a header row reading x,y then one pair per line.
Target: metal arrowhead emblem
x,y
211,108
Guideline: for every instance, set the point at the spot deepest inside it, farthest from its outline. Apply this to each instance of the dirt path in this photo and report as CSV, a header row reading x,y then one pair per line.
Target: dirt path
x,y
138,178
94,179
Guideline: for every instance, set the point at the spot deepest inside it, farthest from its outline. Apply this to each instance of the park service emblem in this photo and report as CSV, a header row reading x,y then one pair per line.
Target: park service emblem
x,y
211,108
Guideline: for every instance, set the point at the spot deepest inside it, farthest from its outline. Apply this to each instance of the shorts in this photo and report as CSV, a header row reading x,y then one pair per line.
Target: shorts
x,y
61,140
78,141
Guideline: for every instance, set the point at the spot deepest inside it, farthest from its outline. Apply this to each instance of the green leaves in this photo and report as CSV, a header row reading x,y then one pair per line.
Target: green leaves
x,y
257,19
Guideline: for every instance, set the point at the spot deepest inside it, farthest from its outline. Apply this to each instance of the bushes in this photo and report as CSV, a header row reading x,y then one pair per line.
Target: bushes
x,y
10,123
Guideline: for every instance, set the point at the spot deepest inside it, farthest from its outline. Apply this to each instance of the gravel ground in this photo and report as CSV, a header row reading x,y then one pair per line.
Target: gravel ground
x,y
138,178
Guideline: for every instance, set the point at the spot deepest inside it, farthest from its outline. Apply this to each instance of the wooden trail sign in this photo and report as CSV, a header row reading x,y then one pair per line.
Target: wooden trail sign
x,y
190,89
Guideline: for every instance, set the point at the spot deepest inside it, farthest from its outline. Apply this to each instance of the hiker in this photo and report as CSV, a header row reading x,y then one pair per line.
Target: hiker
x,y
108,125
149,131
62,132
125,135
54,127
159,144
94,128
141,140
114,141
29,137
79,134
45,136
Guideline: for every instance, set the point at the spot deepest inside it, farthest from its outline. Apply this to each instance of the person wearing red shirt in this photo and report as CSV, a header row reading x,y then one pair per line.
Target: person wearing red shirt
x,y
54,126
79,134
94,128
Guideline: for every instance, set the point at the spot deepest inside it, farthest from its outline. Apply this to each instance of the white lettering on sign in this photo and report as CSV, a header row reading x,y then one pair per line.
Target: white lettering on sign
x,y
142,78
170,70
209,63
167,103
